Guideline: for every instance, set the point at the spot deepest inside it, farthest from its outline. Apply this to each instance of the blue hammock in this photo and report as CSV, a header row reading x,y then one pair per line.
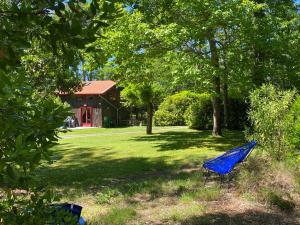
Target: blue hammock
x,y
223,164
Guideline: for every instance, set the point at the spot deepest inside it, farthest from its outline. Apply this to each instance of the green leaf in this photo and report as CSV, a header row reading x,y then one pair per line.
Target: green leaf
x,y
76,26
19,142
11,172
93,9
61,6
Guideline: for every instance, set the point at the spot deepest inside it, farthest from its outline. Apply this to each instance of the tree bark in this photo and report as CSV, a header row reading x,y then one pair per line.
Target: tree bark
x,y
83,75
225,102
217,130
149,117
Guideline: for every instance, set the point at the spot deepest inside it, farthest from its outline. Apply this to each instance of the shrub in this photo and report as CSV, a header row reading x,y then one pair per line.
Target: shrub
x,y
198,114
166,118
172,109
293,118
30,128
267,114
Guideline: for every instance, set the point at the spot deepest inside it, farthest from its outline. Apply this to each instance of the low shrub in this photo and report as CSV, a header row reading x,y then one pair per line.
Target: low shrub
x,y
268,109
171,110
293,119
166,118
199,114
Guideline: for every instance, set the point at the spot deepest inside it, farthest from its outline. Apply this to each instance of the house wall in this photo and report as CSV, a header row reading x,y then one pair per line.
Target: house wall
x,y
78,101
103,106
110,101
97,117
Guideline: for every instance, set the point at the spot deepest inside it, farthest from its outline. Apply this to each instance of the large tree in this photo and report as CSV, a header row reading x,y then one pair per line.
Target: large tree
x,y
232,46
131,61
185,31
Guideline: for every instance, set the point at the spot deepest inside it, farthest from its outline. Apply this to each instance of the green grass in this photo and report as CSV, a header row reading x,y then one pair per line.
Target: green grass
x,y
202,194
119,216
103,168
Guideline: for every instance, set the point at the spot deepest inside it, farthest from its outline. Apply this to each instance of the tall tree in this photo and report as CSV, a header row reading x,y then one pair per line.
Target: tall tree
x,y
201,25
212,45
129,60
239,44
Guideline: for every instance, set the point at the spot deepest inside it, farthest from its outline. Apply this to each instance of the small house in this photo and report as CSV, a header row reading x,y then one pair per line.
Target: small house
x,y
97,104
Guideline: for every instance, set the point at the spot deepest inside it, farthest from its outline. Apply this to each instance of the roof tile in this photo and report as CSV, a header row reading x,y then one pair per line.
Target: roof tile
x,y
98,87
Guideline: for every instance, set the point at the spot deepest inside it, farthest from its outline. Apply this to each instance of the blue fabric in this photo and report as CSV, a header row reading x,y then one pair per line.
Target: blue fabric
x,y
81,221
225,163
72,208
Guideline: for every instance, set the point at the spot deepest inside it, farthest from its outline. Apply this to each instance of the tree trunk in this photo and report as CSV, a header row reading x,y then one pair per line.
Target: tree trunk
x,y
90,75
83,75
149,117
225,102
217,131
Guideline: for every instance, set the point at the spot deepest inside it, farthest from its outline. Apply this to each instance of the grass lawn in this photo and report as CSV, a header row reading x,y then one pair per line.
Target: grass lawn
x,y
123,176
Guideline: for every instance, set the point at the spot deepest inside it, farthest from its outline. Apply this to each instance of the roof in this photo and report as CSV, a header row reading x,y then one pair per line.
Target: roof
x,y
97,87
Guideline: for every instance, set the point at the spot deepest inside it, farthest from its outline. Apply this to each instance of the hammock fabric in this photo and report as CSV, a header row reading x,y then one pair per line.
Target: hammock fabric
x,y
223,164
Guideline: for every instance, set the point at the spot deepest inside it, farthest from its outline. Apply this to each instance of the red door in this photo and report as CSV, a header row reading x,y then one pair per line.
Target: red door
x,y
86,116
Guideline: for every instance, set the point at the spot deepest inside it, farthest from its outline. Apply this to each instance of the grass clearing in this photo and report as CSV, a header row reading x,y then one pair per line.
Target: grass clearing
x,y
124,171
202,194
181,212
119,216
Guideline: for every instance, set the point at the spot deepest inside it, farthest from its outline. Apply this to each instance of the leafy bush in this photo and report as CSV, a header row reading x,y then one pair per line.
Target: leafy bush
x,y
171,110
198,114
293,118
267,114
34,208
166,118
30,128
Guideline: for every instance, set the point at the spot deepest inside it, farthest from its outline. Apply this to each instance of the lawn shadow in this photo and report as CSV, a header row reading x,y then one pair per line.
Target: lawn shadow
x,y
249,217
83,173
181,140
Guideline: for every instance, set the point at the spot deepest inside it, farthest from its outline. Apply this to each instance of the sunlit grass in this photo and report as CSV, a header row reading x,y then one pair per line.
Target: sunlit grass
x,y
123,170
